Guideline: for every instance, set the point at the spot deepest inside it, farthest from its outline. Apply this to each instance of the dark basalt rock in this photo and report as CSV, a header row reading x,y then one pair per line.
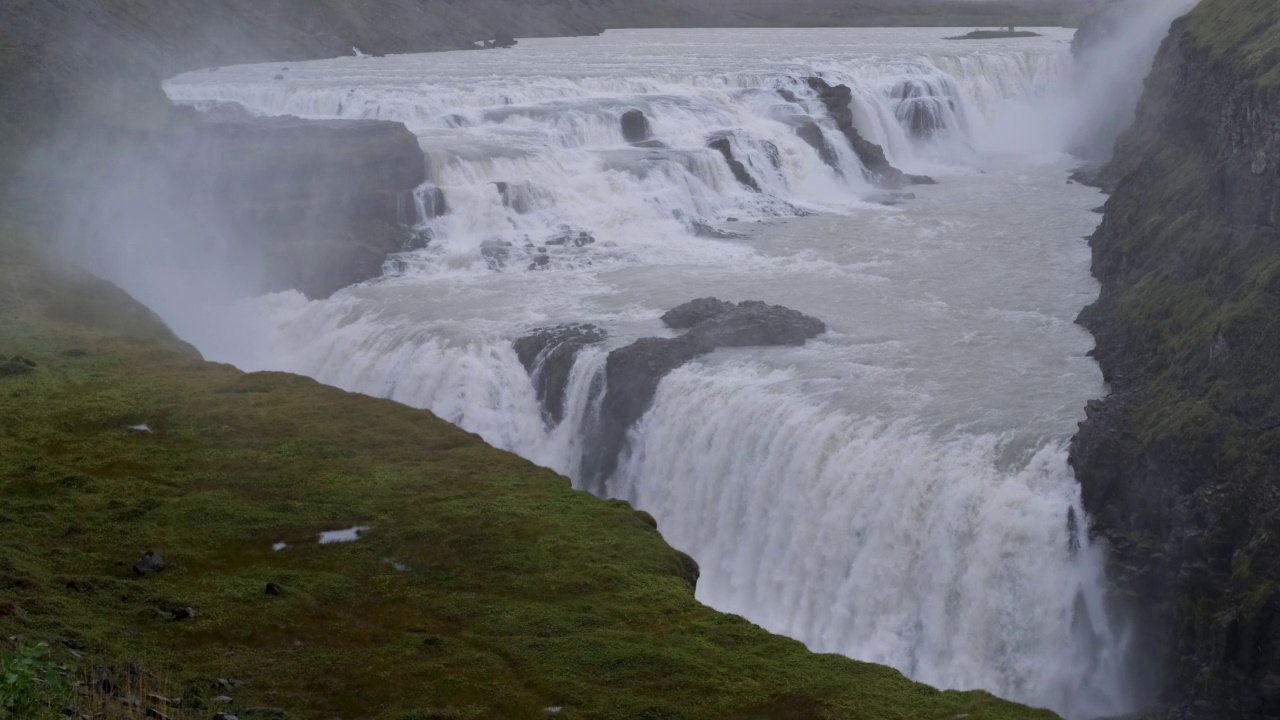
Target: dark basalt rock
x,y
632,373
838,100
696,311
434,204
1179,466
635,126
318,204
568,237
548,354
996,35
652,145
722,145
704,230
500,42
809,132
149,564
520,197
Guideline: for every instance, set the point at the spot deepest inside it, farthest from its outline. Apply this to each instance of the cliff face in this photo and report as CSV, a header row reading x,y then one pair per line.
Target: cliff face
x,y
1180,465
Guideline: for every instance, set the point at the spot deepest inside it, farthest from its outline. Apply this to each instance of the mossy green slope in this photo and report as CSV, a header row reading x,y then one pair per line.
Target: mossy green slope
x,y
485,587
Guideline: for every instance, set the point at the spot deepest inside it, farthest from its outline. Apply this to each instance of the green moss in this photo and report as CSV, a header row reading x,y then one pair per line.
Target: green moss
x,y
1247,30
485,587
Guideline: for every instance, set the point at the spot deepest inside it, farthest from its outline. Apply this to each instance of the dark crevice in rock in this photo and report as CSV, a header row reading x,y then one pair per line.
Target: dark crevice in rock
x,y
811,133
434,204
722,145
549,354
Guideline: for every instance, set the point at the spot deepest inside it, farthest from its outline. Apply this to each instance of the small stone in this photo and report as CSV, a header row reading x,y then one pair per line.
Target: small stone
x,y
149,564
184,613
223,700
279,77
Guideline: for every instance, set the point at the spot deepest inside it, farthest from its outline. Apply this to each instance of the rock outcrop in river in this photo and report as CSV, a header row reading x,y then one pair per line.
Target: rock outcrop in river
x,y
549,354
632,373
838,100
1180,465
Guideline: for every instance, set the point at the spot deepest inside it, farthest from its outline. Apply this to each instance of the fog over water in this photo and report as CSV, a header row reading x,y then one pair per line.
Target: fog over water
x,y
896,490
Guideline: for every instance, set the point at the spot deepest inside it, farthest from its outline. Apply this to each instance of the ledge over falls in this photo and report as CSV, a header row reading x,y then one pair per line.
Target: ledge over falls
x,y
318,204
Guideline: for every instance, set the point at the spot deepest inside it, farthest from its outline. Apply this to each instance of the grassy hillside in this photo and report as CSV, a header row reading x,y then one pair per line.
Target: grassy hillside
x,y
484,586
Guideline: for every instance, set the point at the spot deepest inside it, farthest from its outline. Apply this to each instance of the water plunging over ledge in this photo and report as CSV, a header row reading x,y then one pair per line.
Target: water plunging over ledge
x,y
896,490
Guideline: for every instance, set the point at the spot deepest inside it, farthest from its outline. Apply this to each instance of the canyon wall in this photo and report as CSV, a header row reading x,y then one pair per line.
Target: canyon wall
x,y
1180,465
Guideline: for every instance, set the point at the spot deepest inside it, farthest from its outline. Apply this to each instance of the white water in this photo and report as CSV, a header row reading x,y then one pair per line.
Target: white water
x,y
896,490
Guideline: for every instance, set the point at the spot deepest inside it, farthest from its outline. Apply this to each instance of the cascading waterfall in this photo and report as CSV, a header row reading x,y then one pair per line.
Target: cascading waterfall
x,y
896,491
518,163
879,539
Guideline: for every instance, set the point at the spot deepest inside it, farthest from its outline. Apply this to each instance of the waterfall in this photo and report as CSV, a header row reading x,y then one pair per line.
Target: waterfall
x,y
517,162
867,494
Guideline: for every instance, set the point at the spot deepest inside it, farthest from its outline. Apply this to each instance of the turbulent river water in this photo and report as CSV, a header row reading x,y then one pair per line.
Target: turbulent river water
x,y
896,490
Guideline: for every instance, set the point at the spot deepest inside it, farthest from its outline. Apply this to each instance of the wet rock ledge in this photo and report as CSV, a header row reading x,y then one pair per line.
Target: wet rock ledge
x,y
632,373
318,204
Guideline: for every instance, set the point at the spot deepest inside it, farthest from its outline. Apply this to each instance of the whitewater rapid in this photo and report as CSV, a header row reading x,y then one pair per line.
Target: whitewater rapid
x,y
896,490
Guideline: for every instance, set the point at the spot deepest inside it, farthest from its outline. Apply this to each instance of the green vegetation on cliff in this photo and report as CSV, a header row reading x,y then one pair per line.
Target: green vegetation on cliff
x,y
1246,30
483,587
1180,466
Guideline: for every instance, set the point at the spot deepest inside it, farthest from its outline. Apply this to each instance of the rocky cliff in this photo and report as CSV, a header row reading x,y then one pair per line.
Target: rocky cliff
x,y
1180,464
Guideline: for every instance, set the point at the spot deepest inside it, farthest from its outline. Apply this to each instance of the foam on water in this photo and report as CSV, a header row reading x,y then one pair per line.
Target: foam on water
x,y
897,490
